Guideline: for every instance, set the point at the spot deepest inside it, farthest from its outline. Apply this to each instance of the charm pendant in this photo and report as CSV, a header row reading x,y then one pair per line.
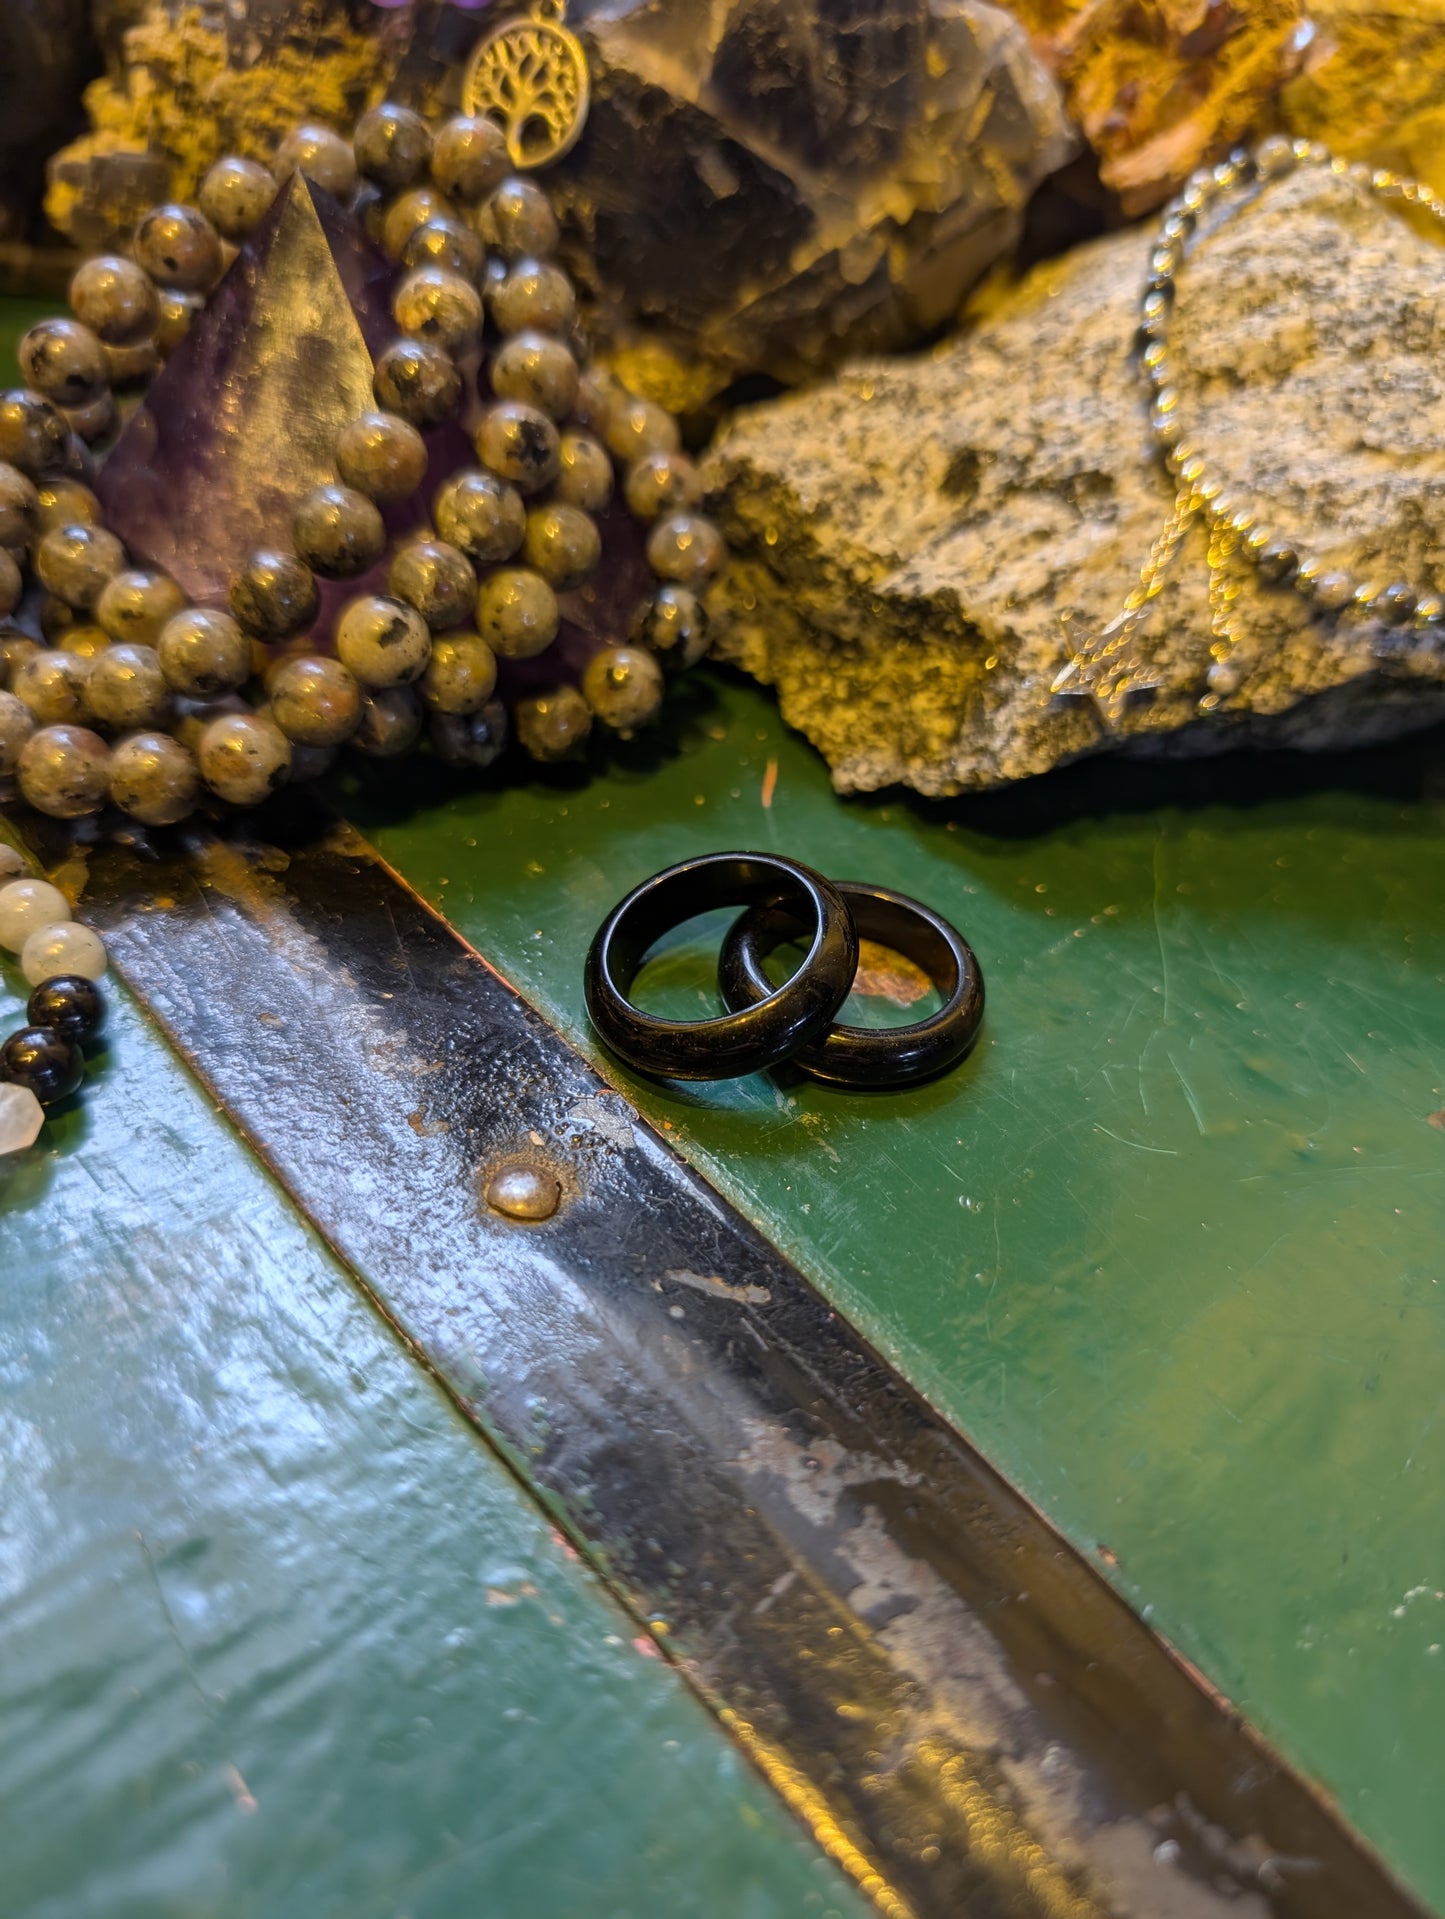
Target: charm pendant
x,y
530,76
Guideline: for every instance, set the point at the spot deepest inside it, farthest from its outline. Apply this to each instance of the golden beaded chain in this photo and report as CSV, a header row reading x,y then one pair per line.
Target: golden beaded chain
x,y
1107,670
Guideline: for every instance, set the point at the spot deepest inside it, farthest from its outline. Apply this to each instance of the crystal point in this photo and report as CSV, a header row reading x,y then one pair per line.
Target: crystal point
x,y
244,417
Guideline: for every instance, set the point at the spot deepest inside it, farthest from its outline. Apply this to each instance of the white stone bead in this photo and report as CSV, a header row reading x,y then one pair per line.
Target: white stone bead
x,y
21,1118
26,905
63,948
11,860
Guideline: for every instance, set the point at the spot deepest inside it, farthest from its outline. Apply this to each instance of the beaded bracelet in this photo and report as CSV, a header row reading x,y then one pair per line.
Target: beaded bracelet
x,y
1105,669
43,1063
136,663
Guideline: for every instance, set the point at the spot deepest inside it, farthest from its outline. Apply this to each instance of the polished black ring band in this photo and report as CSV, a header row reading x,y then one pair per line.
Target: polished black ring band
x,y
774,1024
860,1056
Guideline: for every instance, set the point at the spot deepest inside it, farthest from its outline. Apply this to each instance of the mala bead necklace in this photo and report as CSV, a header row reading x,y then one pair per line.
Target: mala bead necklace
x,y
1107,670
138,700
43,1062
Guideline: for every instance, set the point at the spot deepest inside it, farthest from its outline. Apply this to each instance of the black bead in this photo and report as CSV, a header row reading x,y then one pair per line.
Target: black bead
x,y
71,1005
43,1060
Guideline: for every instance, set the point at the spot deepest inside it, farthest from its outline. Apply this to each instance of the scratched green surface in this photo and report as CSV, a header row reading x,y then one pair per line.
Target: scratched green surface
x,y
1169,1246
279,1639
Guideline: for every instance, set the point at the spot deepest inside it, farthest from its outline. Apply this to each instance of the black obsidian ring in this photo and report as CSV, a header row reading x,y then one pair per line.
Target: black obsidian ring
x,y
861,1056
774,1023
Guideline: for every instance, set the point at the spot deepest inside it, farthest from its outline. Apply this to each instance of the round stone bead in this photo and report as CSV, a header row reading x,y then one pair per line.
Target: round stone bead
x,y
392,145
51,952
12,861
338,532
382,456
661,483
27,905
310,762
480,515
595,398
61,501
15,649
534,296
92,421
178,312
203,653
390,722
520,444
383,641
84,641
448,244
64,360
52,685
42,1061
134,605
410,211
517,613
21,1118
673,624
315,701
538,370
70,1004
636,428
438,306
460,675
562,544
134,365
234,195
273,595
17,723
154,779
469,158
76,562
1395,605
65,772
319,154
33,433
437,579
470,739
12,584
178,247
127,688
553,726
623,687
1277,561
418,381
584,473
115,298
17,507
685,548
520,218
244,758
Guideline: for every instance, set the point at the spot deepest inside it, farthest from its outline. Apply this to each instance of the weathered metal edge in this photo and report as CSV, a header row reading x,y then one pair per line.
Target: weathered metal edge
x,y
968,1718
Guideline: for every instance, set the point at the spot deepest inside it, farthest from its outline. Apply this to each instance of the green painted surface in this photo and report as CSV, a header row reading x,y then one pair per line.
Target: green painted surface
x,y
279,1638
1168,1247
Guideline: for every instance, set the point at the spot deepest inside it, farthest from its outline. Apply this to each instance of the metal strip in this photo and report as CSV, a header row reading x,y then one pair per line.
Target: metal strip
x,y
966,1716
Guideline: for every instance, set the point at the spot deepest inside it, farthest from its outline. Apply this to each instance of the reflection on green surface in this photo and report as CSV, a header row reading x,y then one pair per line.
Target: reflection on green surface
x,y
279,1639
1168,1246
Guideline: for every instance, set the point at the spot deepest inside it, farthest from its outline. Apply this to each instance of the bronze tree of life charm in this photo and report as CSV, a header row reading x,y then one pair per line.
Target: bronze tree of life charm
x,y
530,76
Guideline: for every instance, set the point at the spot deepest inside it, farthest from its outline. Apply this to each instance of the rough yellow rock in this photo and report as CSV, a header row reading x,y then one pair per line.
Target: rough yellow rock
x,y
1160,86
184,97
1373,84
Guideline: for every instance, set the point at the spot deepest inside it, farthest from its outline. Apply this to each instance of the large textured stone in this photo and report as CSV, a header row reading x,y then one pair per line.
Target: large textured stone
x,y
919,544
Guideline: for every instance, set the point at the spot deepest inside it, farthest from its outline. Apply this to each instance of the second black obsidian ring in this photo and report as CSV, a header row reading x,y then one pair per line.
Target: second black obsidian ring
x,y
774,1023
863,1056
